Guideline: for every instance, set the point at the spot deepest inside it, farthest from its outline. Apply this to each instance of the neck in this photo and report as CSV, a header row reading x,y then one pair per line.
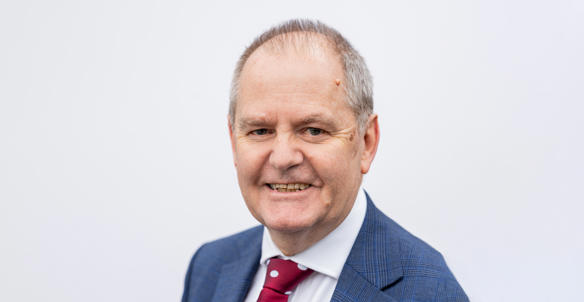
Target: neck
x,y
293,243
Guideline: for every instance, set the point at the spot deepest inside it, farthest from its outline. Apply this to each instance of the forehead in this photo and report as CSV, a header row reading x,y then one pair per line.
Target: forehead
x,y
280,75
291,58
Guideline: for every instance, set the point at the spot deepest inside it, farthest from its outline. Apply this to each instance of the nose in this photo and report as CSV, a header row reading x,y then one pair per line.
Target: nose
x,y
285,153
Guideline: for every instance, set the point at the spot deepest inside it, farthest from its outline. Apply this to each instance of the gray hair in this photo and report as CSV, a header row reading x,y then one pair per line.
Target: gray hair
x,y
359,86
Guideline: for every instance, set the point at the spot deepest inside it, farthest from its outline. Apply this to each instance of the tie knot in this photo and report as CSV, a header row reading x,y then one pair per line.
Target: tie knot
x,y
284,275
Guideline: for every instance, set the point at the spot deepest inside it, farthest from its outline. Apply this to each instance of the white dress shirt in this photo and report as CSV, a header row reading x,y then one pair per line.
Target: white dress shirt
x,y
326,258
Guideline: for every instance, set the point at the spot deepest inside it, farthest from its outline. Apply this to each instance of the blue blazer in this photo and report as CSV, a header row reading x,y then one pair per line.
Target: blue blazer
x,y
386,264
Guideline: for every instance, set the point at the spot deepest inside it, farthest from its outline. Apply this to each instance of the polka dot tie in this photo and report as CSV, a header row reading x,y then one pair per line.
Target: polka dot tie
x,y
282,278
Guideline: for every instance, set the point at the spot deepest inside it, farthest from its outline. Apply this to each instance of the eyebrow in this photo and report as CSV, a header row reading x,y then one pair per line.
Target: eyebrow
x,y
248,122
315,118
318,118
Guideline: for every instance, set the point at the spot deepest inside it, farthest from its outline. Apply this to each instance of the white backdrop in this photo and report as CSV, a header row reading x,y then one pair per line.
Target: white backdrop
x,y
115,163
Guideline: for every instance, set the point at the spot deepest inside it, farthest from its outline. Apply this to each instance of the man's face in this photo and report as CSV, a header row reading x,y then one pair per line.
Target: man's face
x,y
293,129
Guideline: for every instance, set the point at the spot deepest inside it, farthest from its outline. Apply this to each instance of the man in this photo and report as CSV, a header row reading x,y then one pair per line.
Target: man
x,y
303,133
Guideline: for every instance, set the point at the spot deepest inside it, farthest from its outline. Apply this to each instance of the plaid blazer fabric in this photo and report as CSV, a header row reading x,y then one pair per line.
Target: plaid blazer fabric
x,y
386,264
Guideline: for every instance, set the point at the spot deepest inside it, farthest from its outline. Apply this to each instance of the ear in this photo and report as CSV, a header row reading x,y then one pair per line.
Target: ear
x,y
371,140
231,139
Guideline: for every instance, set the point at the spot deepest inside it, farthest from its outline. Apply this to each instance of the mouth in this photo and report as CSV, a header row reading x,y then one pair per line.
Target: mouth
x,y
288,187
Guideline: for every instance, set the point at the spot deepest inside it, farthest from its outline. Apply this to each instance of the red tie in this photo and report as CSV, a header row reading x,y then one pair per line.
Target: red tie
x,y
282,278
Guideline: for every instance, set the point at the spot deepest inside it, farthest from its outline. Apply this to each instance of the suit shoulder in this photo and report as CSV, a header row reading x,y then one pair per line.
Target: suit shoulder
x,y
206,264
232,247
419,262
414,252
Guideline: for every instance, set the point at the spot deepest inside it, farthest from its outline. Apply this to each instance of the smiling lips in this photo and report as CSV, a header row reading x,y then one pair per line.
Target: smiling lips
x,y
288,187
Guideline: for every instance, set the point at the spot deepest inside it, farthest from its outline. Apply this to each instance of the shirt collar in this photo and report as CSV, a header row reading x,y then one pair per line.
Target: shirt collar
x,y
328,255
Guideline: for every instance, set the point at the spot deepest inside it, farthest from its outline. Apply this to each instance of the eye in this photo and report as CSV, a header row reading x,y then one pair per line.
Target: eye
x,y
314,131
260,132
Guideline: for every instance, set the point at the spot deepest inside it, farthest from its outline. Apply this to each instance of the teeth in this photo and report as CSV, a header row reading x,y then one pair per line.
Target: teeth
x,y
289,187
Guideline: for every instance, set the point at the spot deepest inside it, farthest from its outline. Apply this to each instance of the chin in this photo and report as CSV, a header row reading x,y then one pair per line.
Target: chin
x,y
288,224
287,212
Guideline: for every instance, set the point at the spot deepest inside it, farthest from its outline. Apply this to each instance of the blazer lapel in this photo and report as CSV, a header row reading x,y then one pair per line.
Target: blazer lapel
x,y
236,277
373,264
352,287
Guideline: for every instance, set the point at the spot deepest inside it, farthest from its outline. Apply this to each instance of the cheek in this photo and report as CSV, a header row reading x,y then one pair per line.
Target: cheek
x,y
249,161
336,151
333,163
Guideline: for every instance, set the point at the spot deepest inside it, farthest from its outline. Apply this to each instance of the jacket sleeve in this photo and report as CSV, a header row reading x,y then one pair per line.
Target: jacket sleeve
x,y
186,291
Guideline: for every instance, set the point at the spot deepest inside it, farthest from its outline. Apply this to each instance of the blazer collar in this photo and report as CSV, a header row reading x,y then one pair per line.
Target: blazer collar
x,y
374,262
236,277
